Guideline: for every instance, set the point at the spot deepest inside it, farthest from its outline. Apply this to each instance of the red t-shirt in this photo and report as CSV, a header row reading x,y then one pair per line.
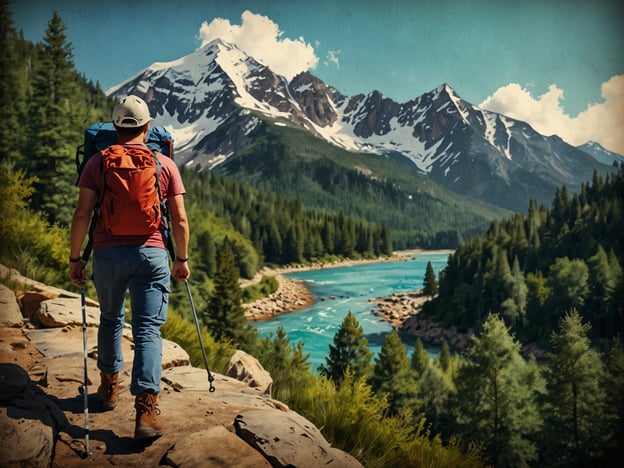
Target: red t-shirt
x,y
170,183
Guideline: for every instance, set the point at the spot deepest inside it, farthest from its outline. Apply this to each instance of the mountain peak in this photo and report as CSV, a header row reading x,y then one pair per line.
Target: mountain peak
x,y
443,89
214,99
601,154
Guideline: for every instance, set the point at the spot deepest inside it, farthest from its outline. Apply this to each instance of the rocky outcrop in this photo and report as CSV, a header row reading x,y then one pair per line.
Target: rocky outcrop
x,y
43,419
10,315
431,331
281,449
248,369
402,310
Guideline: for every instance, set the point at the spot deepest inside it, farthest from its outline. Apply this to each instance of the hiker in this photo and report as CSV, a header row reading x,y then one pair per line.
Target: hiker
x,y
138,263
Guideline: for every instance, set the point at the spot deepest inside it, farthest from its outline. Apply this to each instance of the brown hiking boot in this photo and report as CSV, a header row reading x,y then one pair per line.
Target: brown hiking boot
x,y
148,425
109,390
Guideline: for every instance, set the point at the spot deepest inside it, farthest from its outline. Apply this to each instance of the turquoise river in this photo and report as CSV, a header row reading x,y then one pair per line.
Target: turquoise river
x,y
351,288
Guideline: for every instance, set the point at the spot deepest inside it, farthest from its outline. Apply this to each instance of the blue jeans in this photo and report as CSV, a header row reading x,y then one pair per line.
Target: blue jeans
x,y
144,271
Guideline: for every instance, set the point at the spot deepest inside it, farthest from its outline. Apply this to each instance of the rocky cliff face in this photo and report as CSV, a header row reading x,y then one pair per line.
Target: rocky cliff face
x,y
314,99
42,417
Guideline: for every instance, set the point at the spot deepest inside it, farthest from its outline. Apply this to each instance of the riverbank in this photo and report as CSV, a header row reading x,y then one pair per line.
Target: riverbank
x,y
403,312
293,295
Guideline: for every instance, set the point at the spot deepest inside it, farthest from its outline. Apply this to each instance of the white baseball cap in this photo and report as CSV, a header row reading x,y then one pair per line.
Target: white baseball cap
x,y
131,111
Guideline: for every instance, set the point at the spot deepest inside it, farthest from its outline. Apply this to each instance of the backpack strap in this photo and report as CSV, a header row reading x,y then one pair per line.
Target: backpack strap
x,y
164,209
96,213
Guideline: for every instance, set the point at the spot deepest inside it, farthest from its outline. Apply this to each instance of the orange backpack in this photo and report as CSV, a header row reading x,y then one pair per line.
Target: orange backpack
x,y
130,204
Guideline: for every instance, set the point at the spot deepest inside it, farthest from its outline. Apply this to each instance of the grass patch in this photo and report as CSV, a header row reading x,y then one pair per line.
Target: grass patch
x,y
264,288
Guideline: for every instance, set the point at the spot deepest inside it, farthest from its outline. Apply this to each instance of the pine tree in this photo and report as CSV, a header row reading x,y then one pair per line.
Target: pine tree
x,y
614,391
420,360
602,284
430,285
497,276
328,236
55,124
393,377
444,359
615,319
287,365
435,388
384,246
12,91
349,351
365,244
513,309
207,253
225,317
496,399
568,282
533,235
538,293
346,240
576,419
293,245
273,244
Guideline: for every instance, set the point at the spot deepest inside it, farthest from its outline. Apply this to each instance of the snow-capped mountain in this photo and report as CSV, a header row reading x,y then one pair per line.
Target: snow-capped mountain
x,y
213,101
601,154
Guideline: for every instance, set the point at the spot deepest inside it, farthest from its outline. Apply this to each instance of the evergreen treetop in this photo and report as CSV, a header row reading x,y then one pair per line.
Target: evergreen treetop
x,y
349,351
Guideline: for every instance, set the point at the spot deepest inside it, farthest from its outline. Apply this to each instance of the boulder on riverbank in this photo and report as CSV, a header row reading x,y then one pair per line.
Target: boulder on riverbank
x,y
402,310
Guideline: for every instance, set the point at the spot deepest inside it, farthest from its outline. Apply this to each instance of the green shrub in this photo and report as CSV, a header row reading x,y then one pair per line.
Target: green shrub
x,y
353,419
184,333
267,286
29,243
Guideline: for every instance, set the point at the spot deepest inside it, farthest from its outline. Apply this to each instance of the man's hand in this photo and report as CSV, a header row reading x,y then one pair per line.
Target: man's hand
x,y
78,273
180,271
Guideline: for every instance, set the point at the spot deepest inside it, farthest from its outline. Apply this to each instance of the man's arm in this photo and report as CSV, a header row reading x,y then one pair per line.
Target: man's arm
x,y
180,231
79,227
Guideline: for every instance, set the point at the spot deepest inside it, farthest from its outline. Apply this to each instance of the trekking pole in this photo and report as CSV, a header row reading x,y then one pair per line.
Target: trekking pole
x,y
201,342
87,452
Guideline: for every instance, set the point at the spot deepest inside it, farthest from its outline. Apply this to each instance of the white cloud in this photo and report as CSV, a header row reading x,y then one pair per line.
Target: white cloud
x,y
333,57
262,39
602,122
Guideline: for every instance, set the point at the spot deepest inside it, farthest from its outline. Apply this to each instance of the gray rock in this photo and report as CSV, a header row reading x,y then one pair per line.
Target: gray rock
x,y
64,311
25,441
248,369
289,440
10,314
193,379
52,343
174,355
215,447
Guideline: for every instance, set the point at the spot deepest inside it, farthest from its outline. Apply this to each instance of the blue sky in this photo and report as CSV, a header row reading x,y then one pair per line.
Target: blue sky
x,y
557,64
